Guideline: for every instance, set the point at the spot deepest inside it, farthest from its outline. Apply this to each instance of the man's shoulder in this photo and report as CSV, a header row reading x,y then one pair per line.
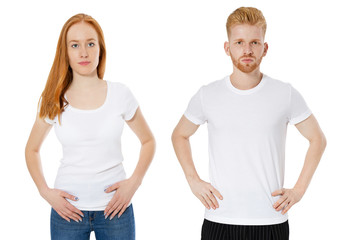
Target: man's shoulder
x,y
274,82
211,86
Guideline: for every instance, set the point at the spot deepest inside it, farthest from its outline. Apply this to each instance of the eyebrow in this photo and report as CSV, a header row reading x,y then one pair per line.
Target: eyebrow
x,y
86,40
241,39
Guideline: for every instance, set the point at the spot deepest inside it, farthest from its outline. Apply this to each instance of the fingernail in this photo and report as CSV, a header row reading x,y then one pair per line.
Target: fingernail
x,y
105,190
76,198
76,221
111,218
105,217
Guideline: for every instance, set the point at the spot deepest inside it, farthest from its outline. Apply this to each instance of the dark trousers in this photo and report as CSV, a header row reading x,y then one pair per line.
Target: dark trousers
x,y
219,231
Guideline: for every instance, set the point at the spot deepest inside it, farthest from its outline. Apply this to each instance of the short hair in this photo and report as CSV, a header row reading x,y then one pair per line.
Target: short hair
x,y
246,15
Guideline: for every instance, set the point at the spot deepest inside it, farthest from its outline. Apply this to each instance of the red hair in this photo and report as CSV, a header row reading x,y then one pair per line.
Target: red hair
x,y
246,15
52,101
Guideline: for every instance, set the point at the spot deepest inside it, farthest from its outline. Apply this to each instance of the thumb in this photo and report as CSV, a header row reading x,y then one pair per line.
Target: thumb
x,y
112,188
69,196
278,192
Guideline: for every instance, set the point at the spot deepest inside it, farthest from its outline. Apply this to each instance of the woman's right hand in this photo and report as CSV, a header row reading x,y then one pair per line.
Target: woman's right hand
x,y
57,199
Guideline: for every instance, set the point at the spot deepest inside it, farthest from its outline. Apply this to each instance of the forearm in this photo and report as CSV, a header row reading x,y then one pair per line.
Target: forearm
x,y
312,159
184,155
145,158
33,163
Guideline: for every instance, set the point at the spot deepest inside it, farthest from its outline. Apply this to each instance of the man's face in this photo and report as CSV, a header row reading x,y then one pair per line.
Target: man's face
x,y
246,47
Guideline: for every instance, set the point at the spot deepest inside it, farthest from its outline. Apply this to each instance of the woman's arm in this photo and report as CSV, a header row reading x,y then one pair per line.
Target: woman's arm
x,y
126,189
55,197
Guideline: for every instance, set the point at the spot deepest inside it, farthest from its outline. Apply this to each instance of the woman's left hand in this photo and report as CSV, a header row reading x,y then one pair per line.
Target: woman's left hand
x,y
288,199
124,192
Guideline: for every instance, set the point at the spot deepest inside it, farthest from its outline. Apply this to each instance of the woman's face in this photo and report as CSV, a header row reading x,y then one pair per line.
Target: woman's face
x,y
83,49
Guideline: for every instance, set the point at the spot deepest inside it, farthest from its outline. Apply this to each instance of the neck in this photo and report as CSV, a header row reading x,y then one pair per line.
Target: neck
x,y
84,82
244,81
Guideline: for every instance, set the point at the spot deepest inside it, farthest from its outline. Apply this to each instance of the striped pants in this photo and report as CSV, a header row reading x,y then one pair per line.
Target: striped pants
x,y
219,231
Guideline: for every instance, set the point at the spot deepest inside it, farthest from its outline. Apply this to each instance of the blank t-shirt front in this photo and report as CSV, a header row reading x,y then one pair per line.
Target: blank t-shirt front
x,y
247,133
91,143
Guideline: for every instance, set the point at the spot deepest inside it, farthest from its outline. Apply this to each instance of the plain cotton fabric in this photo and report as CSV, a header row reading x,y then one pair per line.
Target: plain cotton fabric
x,y
247,134
91,143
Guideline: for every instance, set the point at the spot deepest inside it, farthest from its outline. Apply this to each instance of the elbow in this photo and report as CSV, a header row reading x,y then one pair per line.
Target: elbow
x,y
320,141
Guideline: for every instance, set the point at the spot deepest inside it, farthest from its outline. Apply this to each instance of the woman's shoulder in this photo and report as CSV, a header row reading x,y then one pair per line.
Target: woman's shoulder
x,y
117,85
119,89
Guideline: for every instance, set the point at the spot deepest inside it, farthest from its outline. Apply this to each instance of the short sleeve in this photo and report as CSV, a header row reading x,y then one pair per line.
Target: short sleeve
x,y
194,111
299,109
46,119
130,104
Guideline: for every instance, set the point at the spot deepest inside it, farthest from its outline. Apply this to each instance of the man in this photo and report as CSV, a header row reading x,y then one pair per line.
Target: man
x,y
247,115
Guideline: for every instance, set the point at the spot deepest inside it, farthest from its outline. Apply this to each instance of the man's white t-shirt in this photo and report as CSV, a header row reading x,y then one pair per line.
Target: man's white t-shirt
x,y
91,142
247,133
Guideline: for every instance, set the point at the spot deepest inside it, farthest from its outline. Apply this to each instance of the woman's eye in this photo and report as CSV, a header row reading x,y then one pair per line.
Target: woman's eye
x,y
74,45
91,44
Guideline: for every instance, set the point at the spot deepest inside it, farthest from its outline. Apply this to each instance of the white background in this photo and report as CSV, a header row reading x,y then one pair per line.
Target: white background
x,y
164,51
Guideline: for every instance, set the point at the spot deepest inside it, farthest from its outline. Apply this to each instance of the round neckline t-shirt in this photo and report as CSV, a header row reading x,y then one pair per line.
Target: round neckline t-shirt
x,y
247,135
91,144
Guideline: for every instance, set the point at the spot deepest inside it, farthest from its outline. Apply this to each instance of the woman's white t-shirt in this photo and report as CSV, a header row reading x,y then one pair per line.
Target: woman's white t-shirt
x,y
91,143
247,133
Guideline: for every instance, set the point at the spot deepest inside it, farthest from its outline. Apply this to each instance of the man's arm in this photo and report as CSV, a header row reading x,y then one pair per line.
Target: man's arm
x,y
311,130
201,189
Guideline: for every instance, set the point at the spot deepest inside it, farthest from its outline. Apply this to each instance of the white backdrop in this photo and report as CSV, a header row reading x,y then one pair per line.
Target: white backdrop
x,y
164,51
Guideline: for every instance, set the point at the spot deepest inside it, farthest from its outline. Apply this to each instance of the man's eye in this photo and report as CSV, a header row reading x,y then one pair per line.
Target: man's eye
x,y
255,43
238,42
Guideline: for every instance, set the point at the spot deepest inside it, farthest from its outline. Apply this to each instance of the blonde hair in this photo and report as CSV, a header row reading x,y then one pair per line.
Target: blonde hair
x,y
246,15
52,101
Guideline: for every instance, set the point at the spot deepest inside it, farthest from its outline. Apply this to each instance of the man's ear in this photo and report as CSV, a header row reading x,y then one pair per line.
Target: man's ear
x,y
265,48
227,48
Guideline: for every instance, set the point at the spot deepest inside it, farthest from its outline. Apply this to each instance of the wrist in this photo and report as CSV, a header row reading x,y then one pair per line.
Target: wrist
x,y
136,180
44,192
300,189
192,178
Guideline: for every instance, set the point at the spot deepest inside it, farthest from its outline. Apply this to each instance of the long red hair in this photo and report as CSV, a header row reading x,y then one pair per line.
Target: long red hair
x,y
52,101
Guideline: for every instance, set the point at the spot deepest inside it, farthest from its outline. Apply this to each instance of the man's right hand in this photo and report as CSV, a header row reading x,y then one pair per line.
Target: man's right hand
x,y
205,192
57,199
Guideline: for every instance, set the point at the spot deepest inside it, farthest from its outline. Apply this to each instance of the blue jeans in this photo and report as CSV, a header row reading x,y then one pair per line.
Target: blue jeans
x,y
122,228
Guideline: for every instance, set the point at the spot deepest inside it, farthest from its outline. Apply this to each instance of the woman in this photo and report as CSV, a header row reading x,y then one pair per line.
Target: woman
x,y
88,115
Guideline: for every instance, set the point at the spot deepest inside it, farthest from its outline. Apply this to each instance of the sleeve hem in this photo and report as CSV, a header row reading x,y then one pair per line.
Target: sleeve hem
x,y
300,118
48,120
131,113
193,119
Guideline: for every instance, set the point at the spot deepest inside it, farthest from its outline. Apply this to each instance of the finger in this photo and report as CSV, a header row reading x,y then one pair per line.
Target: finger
x,y
208,200
278,192
63,216
109,206
280,201
201,198
118,209
213,200
123,210
112,188
217,193
284,204
69,196
287,208
75,210
70,214
112,209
